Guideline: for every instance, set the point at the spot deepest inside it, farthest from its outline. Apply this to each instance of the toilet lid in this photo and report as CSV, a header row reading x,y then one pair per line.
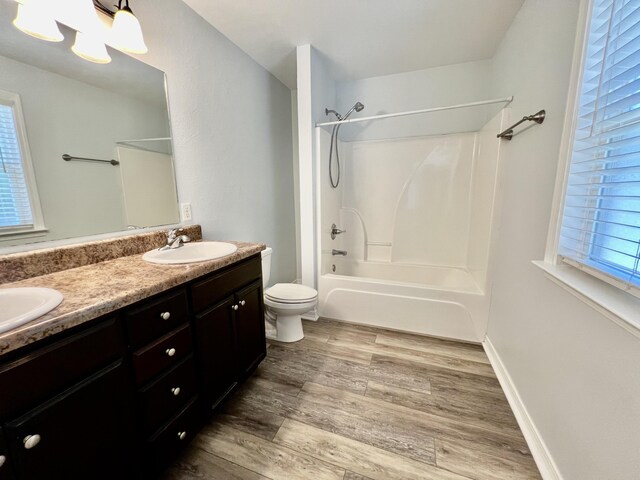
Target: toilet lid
x,y
291,293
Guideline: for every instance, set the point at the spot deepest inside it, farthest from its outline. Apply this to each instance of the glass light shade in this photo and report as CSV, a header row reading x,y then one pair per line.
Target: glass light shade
x,y
90,48
35,18
126,33
80,15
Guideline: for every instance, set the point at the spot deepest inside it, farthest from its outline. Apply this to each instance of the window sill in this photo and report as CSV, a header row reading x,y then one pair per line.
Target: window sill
x,y
615,304
38,232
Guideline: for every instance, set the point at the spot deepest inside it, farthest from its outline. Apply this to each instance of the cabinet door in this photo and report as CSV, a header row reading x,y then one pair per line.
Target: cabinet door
x,y
216,351
82,433
5,468
250,338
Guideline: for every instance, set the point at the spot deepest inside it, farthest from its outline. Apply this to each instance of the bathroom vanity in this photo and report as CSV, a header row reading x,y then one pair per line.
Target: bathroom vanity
x,y
118,395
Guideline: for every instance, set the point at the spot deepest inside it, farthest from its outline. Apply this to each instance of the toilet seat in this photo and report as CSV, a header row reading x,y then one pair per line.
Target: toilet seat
x,y
291,293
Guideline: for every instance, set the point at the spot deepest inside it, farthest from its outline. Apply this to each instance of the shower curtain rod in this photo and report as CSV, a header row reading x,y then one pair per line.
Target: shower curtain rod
x,y
415,112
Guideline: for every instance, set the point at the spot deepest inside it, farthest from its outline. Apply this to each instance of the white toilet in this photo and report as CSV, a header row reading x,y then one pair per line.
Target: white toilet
x,y
285,302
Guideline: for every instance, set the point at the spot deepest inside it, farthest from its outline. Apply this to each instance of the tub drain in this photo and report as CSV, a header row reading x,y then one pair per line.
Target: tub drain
x,y
333,268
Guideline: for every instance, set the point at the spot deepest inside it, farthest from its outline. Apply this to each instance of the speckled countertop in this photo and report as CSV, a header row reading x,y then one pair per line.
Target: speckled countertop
x,y
94,290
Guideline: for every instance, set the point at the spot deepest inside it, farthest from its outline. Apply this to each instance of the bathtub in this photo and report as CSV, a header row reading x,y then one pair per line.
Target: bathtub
x,y
439,301
418,217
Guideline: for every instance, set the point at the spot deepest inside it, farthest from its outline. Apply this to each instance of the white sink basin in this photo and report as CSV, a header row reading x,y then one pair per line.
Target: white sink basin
x,y
191,252
21,305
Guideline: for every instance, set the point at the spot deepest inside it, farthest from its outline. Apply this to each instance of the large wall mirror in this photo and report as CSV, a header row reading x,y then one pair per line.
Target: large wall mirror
x,y
53,103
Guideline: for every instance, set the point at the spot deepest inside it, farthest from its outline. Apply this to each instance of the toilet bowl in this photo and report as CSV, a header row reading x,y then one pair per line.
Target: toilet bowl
x,y
286,302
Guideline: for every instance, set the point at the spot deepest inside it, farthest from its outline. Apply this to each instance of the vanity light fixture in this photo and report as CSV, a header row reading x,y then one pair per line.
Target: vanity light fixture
x,y
36,18
126,33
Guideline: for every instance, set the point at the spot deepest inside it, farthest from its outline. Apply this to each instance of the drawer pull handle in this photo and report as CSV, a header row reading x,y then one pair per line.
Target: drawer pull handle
x,y
235,307
31,441
2,460
242,303
175,391
165,315
170,351
182,435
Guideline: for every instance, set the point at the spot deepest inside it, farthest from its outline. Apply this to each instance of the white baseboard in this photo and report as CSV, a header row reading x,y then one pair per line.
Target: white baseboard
x,y
539,450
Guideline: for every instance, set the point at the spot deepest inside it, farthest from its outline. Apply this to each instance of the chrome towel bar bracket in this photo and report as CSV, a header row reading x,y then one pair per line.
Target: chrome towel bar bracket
x,y
536,117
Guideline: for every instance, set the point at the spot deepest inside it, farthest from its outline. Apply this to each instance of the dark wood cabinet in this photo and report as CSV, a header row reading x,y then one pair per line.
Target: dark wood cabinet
x,y
120,396
215,337
250,339
230,333
84,432
5,464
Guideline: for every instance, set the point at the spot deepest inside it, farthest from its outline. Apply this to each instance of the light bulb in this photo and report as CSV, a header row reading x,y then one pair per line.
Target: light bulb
x,y
35,18
126,33
90,48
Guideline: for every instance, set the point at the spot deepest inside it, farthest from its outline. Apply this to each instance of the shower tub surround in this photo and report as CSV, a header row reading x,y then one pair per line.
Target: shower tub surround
x,y
98,278
419,214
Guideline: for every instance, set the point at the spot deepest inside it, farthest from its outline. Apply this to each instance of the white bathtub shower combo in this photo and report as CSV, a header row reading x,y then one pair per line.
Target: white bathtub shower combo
x,y
418,212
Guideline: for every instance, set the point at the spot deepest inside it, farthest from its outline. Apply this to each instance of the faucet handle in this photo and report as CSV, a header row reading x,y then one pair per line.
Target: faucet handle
x,y
173,232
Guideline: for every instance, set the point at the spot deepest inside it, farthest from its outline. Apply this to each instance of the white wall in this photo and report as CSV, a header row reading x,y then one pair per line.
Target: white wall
x,y
316,91
77,198
412,196
231,124
432,87
575,370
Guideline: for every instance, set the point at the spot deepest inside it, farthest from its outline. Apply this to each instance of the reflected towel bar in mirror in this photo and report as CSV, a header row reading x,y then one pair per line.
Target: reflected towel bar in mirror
x,y
536,117
68,158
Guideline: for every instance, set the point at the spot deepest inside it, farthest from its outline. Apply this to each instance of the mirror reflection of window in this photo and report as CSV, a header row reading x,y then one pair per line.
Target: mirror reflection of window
x,y
19,206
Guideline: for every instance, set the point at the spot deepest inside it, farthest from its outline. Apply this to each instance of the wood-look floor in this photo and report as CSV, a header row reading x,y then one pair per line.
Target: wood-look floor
x,y
354,402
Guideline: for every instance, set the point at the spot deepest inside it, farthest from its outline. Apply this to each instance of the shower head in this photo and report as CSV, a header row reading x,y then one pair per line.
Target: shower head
x,y
358,107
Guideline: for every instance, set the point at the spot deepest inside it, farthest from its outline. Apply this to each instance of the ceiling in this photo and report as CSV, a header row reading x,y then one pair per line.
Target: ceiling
x,y
362,38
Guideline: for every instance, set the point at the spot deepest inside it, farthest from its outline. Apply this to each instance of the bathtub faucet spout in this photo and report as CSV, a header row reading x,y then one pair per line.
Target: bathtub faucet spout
x,y
339,252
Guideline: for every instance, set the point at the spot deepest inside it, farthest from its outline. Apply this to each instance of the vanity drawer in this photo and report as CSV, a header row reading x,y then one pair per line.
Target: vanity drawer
x,y
162,398
157,317
215,288
163,353
164,446
46,371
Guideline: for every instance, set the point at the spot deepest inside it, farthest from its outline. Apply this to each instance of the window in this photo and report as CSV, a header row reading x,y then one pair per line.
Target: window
x,y
600,229
19,205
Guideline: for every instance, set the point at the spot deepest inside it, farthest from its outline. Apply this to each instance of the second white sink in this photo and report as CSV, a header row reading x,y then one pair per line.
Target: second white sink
x,y
21,305
191,253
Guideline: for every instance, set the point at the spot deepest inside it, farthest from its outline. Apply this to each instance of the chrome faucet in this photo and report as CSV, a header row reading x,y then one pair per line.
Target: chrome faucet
x,y
335,231
174,240
339,252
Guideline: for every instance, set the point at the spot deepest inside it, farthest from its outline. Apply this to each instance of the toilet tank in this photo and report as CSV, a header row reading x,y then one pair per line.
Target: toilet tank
x,y
266,266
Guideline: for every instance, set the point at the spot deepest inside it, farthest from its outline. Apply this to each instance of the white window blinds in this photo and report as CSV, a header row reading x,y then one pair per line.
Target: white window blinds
x,y
15,206
601,218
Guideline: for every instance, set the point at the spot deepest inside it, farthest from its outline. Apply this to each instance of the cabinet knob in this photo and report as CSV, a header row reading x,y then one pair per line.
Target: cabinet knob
x,y
242,303
31,441
170,351
175,391
2,460
182,435
165,315
235,307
